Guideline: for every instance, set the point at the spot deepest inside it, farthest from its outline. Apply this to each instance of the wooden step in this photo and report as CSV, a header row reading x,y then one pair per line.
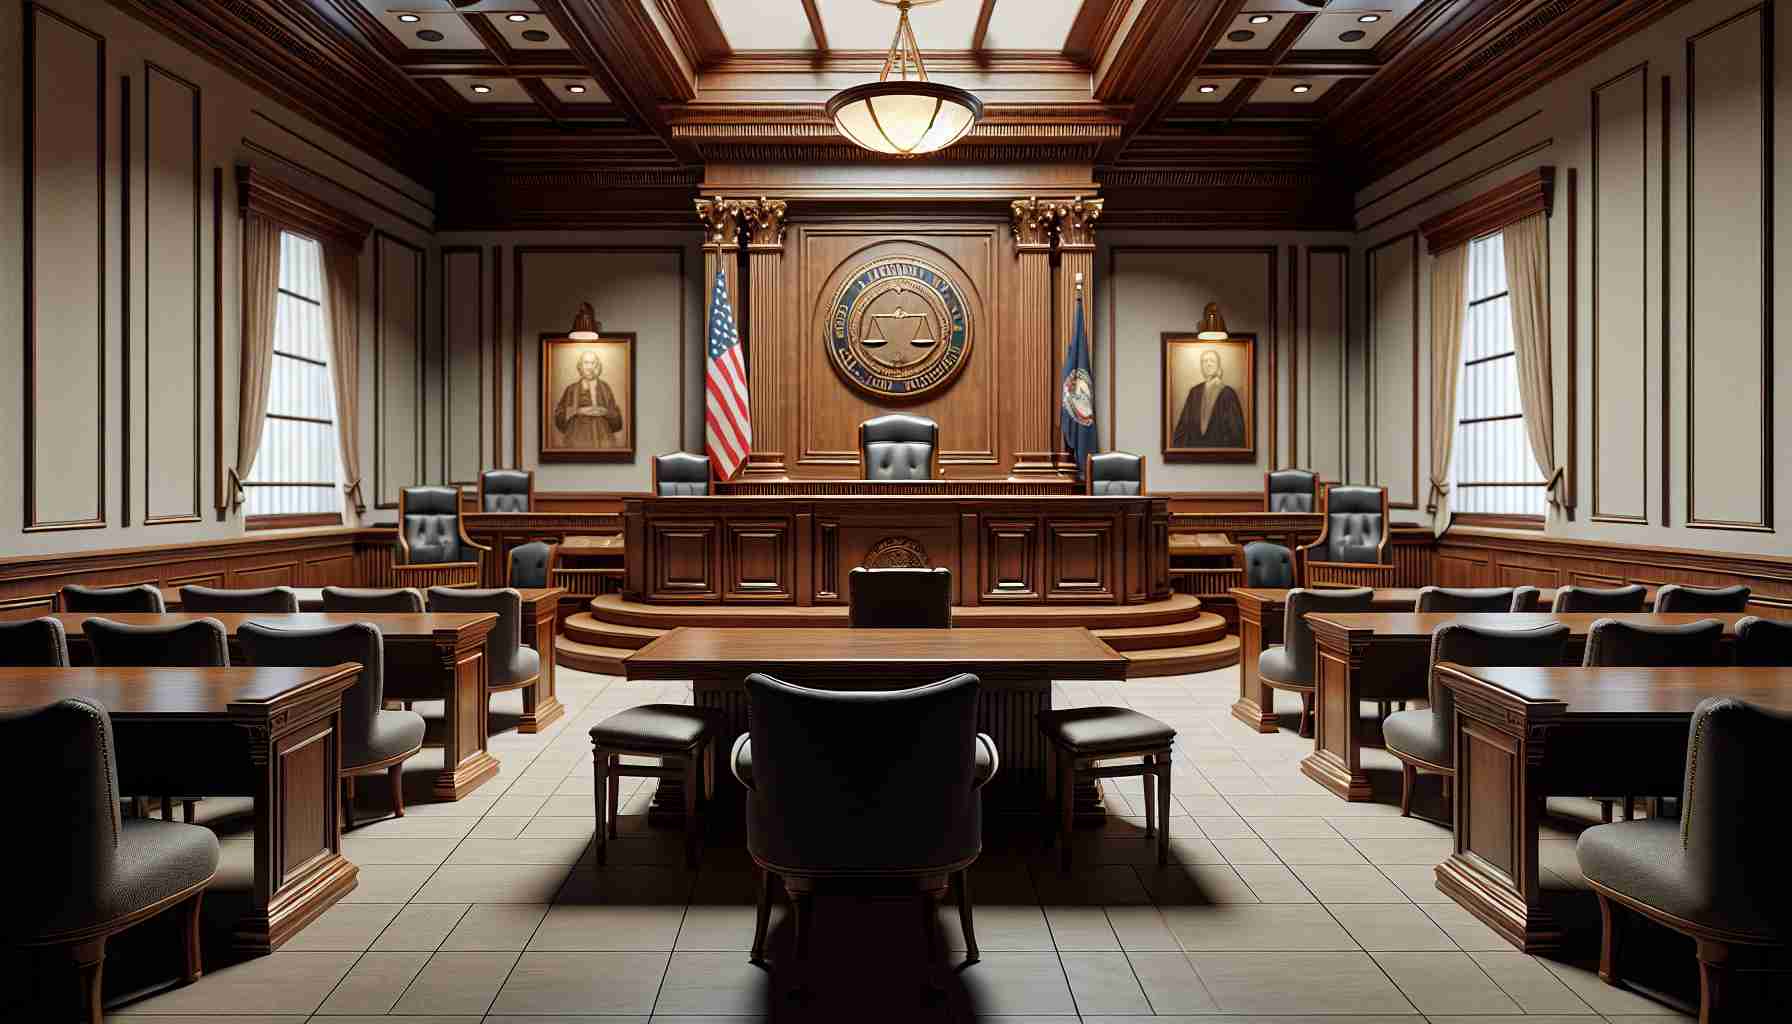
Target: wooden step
x,y
1173,661
1204,628
595,632
1178,608
589,657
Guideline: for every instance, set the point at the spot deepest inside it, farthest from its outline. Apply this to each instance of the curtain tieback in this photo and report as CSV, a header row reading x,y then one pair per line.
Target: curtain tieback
x,y
1550,487
353,490
237,493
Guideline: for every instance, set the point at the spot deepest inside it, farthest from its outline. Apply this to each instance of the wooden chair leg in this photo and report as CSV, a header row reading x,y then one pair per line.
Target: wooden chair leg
x,y
89,959
1630,808
600,767
189,809
1163,810
193,967
693,825
348,801
802,915
1147,779
615,791
965,924
1605,811
1409,777
1716,981
1610,929
763,916
395,779
709,769
167,808
1305,728
1450,798
1066,805
139,808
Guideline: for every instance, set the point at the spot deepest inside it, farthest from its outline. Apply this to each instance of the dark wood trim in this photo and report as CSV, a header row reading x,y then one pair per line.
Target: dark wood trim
x,y
220,487
251,146
1570,485
1294,352
124,288
1506,203
820,32
1667,305
497,324
981,32
296,210
362,170
1598,514
1498,521
293,521
1393,190
448,360
1518,157
380,469
151,71
1369,357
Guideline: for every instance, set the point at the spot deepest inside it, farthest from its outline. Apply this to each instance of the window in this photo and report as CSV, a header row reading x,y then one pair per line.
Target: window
x,y
1496,476
295,475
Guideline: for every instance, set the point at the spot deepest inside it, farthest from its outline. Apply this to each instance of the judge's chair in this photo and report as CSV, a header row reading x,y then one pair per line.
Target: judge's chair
x,y
899,447
433,547
1352,547
899,598
1121,473
681,475
1291,490
506,490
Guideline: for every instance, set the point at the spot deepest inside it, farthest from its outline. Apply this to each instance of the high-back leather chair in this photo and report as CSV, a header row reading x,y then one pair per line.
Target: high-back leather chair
x,y
399,600
1600,599
1464,599
1763,641
899,447
1291,664
433,546
1620,644
144,598
1526,599
513,665
1269,565
1290,490
857,783
189,643
681,475
899,598
1351,548
532,564
40,641
1114,473
506,490
85,873
271,600
1676,597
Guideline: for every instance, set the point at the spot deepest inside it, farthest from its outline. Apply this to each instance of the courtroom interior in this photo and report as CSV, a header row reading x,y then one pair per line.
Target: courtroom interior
x,y
990,511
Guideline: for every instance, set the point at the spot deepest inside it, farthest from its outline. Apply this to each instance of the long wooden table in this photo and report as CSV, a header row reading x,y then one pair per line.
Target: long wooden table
x,y
1525,734
1016,667
1383,656
269,733
428,657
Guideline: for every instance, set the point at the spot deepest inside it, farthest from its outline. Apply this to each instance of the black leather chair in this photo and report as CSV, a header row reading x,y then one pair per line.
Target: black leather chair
x,y
506,490
1464,599
1114,473
532,564
1717,874
1763,641
1291,490
899,447
681,474
1614,643
1290,665
270,600
899,598
1527,599
1269,565
84,874
1677,597
681,737
399,600
863,783
28,642
433,546
1085,741
373,740
1351,549
144,598
1600,599
188,643
1422,739
513,665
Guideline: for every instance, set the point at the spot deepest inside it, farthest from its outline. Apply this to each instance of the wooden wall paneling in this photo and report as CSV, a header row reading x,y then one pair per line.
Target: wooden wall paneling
x,y
1027,339
1392,316
1012,560
124,299
463,363
1571,480
1082,560
759,559
1319,362
173,322
1667,307
400,290
497,348
768,341
1618,125
65,287
220,482
1729,312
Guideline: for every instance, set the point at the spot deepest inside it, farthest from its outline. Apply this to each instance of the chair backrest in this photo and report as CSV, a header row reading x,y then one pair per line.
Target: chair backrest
x,y
681,474
1356,523
273,600
1731,839
1297,636
141,598
1490,647
532,564
191,643
506,637
1676,597
1763,641
506,490
899,447
73,797
1636,644
320,646
368,599
430,520
1290,490
39,641
899,597
1464,599
1600,599
1268,565
1115,473
1526,599
863,780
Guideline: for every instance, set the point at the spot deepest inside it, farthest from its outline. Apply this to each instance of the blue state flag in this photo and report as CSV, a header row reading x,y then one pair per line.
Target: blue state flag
x,y
1076,399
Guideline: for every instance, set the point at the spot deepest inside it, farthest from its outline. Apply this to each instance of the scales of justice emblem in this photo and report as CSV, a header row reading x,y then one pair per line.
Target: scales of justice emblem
x,y
899,328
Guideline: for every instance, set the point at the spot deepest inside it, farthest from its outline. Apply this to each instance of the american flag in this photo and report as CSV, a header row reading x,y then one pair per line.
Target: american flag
x,y
730,424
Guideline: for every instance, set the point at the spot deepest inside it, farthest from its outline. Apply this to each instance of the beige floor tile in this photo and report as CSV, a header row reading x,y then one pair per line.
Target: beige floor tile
x,y
1141,929
1609,1000
455,982
1104,983
365,850
492,827
1260,927
608,927
281,982
207,1018
1274,883
1417,881
1090,886
1298,983
1391,927
1394,827
493,883
569,807
1464,928
1084,929
713,983
1292,828
1225,827
1186,884
345,926
564,851
412,826
375,983
1246,851
1348,883
1445,983
1016,983
1170,983
1000,926
420,928
708,927
1304,850
1534,987
559,828
496,927
1427,850
1188,850
388,883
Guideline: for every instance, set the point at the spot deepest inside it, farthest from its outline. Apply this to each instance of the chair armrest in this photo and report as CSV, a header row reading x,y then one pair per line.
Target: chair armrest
x,y
1353,565
988,763
740,759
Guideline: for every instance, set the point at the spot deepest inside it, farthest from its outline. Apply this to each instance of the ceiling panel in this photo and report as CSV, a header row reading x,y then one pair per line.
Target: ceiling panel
x,y
565,90
502,90
1254,30
420,29
1346,30
532,33
1287,90
868,25
444,7
1221,88
1028,24
772,24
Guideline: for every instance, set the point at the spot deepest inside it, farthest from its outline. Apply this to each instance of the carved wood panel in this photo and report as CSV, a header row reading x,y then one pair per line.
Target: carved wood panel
x,y
760,562
1080,561
1011,560
685,560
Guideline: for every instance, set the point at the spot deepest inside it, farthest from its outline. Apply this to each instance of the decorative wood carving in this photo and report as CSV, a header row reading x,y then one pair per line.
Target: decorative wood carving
x,y
766,362
1506,203
765,223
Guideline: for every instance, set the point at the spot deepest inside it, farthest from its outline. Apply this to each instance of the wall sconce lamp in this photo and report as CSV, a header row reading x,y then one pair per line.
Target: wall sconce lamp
x,y
1213,326
584,324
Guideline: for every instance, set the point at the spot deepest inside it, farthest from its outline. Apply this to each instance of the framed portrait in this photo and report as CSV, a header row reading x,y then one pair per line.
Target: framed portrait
x,y
587,399
1210,398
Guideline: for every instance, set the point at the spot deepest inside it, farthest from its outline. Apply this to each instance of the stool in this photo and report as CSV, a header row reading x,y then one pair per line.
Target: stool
x,y
671,732
1082,736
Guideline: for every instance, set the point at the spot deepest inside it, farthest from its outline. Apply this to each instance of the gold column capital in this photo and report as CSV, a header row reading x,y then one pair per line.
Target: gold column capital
x,y
1031,220
721,223
765,223
1076,219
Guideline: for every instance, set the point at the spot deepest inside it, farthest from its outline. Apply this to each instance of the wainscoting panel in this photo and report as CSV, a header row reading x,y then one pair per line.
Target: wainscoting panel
x,y
1393,319
1319,364
399,409
173,343
464,327
1620,182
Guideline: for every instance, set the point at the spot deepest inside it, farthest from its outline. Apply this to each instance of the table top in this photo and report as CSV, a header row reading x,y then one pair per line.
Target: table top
x,y
1412,625
187,693
392,624
1063,652
311,599
1652,690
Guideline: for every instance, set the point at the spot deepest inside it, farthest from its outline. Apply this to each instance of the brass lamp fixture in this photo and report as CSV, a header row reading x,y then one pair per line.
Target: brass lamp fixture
x,y
1213,326
584,324
904,116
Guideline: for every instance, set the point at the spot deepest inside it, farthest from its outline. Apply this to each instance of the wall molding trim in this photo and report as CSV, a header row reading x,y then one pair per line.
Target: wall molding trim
x,y
1506,203
265,195
195,512
1600,512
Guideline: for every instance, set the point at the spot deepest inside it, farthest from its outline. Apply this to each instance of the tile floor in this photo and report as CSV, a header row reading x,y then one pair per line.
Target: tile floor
x,y
1284,904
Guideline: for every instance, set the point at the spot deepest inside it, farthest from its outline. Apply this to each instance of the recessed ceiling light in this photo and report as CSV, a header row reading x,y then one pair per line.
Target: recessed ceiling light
x,y
1303,88
1368,19
1208,89
1243,35
576,89
430,35
482,89
1259,19
536,35
516,17
409,19
1351,36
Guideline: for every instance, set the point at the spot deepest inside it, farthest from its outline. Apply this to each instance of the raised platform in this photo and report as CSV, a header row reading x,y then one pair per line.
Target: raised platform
x,y
1159,638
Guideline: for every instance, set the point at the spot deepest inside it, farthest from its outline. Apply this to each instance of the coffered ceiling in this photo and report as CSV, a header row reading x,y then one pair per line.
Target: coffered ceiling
x,y
1191,111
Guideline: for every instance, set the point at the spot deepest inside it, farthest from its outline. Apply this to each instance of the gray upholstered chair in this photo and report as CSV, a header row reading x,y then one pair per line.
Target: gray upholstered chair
x,y
532,564
513,665
1351,549
1290,490
1619,644
899,447
1600,599
506,490
1676,597
681,475
1081,738
680,737
270,600
28,642
433,546
1422,739
144,598
1763,641
1269,565
373,740
863,783
1464,599
899,598
86,874
1114,473
1290,665
1715,875
1527,599
186,643
393,600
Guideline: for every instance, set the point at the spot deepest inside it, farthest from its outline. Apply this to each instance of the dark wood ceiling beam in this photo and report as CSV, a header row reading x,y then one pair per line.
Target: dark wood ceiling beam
x,y
625,52
980,34
1159,56
816,28
1300,69
1093,29
695,26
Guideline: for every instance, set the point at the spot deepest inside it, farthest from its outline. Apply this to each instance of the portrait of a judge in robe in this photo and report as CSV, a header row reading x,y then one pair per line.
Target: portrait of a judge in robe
x,y
1208,391
586,399
587,415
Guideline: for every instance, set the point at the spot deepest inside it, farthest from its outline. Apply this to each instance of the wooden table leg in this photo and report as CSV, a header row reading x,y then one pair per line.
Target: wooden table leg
x,y
541,708
1337,758
1256,704
462,674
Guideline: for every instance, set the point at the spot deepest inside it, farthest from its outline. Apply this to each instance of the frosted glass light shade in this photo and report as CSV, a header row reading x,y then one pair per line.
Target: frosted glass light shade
x,y
904,118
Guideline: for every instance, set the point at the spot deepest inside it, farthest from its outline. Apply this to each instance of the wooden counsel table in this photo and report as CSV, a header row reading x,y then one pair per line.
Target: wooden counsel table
x,y
1524,734
268,733
428,657
1016,667
1380,656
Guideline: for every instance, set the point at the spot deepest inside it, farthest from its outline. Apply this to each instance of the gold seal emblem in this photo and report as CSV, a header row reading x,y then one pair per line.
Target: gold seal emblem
x,y
899,328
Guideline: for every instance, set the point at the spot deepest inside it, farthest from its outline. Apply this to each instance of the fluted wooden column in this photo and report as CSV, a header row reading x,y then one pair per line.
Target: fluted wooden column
x,y
1075,219
768,364
721,249
1031,363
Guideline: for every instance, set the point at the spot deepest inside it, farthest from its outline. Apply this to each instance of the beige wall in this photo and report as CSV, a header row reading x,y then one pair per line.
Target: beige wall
x,y
1672,256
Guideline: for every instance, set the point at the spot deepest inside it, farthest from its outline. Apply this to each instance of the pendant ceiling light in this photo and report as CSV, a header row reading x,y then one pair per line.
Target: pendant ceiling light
x,y
904,116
